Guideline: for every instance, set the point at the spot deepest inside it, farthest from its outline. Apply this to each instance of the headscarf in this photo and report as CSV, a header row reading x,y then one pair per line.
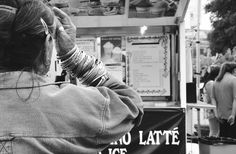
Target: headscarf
x,y
18,16
21,30
8,10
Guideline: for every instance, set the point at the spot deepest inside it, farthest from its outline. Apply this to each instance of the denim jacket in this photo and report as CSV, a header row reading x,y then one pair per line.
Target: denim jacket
x,y
41,118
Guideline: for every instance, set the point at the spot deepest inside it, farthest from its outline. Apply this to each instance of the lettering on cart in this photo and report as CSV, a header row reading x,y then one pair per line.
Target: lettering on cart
x,y
125,140
117,151
154,137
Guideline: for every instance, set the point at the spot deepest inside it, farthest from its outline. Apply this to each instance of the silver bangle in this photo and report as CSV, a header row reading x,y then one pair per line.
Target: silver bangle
x,y
68,53
86,68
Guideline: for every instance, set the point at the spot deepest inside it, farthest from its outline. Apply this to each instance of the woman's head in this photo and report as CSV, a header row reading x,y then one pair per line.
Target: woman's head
x,y
213,72
24,43
229,67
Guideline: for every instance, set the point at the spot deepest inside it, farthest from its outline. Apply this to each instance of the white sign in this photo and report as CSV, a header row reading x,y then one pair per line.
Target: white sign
x,y
149,71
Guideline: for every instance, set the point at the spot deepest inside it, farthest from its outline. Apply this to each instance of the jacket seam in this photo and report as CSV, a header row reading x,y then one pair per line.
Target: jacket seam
x,y
103,114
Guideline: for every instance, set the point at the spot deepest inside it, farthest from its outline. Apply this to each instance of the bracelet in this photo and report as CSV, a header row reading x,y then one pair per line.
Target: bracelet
x,y
91,74
73,61
100,73
86,68
68,54
103,79
69,60
78,72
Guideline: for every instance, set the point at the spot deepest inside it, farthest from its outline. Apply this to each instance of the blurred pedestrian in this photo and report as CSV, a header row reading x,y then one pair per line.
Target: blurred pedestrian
x,y
224,96
210,113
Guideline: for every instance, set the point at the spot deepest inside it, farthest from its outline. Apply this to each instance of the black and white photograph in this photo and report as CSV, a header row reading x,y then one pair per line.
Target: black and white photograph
x,y
91,7
117,76
152,8
111,50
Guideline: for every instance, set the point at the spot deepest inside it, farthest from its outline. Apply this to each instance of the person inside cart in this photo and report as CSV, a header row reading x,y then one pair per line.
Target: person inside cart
x,y
224,96
40,117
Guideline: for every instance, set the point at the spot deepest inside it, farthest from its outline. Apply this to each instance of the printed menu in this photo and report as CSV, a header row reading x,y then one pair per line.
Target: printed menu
x,y
149,65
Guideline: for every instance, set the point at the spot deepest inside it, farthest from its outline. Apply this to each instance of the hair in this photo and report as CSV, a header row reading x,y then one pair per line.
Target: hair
x,y
22,35
226,67
214,71
212,74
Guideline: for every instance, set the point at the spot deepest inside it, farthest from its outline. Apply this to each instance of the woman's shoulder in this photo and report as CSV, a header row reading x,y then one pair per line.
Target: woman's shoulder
x,y
209,84
230,78
233,80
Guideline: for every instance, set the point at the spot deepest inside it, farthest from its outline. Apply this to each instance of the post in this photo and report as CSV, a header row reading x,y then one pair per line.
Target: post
x,y
198,67
182,74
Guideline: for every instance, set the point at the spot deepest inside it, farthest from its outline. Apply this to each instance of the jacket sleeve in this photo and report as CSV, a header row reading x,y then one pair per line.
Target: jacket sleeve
x,y
123,110
100,115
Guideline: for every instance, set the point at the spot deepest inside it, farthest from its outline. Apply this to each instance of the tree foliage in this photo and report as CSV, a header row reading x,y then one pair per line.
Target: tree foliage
x,y
223,19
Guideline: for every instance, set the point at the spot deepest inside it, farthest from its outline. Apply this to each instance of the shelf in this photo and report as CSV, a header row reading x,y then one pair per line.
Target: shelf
x,y
162,21
125,21
99,21
121,21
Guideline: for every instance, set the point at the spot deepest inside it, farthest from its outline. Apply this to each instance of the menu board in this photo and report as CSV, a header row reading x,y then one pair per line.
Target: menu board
x,y
149,65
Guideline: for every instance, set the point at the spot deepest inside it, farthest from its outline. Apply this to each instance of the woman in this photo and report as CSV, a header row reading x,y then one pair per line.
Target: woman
x,y
40,117
213,121
224,96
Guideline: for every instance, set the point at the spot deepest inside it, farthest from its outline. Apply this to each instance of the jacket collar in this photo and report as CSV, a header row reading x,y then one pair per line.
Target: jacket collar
x,y
21,79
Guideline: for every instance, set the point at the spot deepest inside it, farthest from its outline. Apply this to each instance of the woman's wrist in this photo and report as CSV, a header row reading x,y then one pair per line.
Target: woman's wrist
x,y
86,68
64,43
65,56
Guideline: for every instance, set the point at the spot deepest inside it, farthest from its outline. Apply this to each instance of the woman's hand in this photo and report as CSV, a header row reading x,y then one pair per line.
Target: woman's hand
x,y
231,120
65,32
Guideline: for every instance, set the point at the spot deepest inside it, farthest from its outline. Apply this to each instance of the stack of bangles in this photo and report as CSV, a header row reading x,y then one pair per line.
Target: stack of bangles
x,y
87,69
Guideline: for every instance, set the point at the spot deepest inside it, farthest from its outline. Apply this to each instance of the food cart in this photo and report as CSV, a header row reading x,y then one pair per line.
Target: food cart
x,y
141,42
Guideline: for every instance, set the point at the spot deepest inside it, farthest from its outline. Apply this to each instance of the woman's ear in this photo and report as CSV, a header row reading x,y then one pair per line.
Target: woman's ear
x,y
47,55
48,48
